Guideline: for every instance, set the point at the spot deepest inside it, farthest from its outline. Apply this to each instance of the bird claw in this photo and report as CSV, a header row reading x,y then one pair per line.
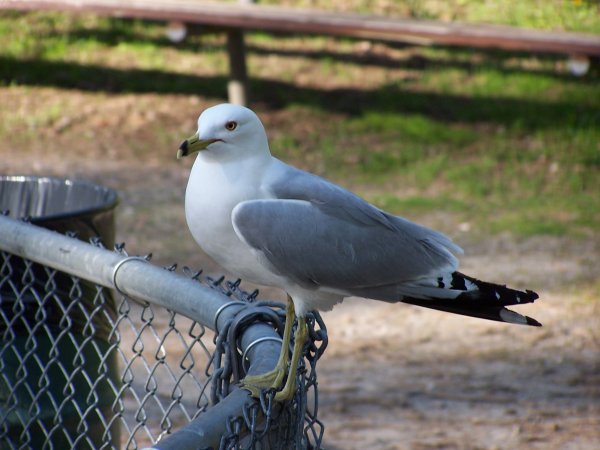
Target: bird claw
x,y
269,380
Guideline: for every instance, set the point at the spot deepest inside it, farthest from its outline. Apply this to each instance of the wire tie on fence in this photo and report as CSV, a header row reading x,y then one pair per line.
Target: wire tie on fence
x,y
258,341
119,265
221,309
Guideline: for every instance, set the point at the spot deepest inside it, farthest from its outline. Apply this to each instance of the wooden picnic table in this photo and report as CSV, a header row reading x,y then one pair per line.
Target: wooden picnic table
x,y
236,18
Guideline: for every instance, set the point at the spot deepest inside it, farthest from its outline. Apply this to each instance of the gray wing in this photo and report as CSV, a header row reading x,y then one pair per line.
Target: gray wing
x,y
320,235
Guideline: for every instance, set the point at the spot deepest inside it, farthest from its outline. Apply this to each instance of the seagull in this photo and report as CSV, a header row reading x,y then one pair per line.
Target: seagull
x,y
276,225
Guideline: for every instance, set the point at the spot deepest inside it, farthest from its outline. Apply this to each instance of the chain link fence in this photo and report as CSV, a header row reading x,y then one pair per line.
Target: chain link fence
x,y
103,351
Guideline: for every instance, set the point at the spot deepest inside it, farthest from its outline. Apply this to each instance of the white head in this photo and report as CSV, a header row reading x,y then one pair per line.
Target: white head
x,y
227,132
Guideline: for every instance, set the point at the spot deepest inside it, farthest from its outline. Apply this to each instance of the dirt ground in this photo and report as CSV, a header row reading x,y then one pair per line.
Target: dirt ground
x,y
393,376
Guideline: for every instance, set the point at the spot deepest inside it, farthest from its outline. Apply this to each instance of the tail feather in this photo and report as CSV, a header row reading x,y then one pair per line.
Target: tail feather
x,y
485,292
475,298
497,313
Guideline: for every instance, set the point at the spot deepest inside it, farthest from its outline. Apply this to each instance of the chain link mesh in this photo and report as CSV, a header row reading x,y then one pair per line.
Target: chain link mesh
x,y
84,367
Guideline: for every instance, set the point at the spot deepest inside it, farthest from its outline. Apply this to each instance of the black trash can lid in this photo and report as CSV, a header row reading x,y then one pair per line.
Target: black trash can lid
x,y
43,198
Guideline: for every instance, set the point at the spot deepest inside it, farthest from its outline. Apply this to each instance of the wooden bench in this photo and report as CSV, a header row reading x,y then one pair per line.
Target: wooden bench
x,y
236,18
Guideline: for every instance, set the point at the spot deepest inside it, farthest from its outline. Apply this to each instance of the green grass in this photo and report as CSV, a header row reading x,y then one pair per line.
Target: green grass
x,y
507,141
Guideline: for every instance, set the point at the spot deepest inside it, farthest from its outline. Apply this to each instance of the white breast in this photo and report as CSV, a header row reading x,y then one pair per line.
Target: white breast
x,y
209,200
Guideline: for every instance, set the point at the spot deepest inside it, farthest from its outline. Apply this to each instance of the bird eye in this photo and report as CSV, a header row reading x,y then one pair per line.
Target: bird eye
x,y
231,125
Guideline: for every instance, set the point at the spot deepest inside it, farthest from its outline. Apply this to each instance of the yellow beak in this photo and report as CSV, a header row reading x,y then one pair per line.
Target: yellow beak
x,y
192,145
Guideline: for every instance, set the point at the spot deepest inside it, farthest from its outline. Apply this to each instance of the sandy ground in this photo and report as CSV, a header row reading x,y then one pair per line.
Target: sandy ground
x,y
393,376
397,377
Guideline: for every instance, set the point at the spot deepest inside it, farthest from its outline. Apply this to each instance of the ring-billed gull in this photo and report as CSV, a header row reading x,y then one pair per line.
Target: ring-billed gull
x,y
276,225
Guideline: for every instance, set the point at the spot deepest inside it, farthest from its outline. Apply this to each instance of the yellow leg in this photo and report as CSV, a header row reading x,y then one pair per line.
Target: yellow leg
x,y
299,339
274,378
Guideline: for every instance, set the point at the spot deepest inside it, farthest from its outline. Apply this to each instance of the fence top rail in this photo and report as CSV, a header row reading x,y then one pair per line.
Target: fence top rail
x,y
276,18
131,276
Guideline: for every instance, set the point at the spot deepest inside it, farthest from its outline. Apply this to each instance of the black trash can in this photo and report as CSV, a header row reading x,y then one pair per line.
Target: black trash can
x,y
58,360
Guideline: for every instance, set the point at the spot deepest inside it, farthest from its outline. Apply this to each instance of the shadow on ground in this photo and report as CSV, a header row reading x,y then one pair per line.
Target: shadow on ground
x,y
527,113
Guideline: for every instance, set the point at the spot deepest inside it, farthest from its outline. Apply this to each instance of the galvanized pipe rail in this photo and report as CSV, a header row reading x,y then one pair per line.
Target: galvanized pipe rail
x,y
144,281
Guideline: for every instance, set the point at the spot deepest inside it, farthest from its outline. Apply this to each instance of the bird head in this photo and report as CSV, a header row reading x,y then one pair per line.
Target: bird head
x,y
227,131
